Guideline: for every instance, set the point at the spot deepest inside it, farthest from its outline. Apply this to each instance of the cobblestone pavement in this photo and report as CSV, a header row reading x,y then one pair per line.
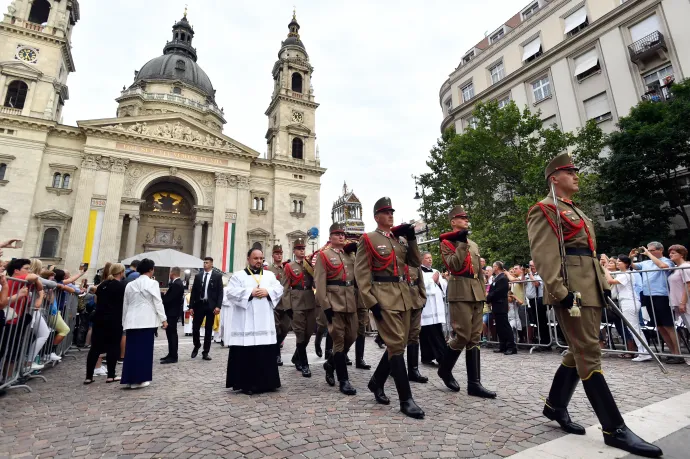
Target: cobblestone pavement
x,y
187,412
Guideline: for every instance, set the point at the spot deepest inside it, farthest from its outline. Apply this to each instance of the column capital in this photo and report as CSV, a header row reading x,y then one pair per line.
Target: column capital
x,y
136,217
242,182
118,165
222,180
199,222
90,162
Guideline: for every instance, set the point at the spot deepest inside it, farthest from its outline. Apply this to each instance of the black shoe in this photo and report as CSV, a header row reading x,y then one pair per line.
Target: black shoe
x,y
341,370
205,356
302,356
296,362
413,373
474,384
195,352
247,392
675,360
169,360
445,368
378,380
499,351
279,361
407,404
616,433
511,351
378,392
359,354
306,372
379,341
346,388
330,377
317,342
556,407
162,358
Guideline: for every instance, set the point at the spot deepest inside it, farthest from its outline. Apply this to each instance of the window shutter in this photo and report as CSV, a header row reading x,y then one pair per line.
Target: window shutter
x,y
586,61
531,48
644,28
575,19
597,106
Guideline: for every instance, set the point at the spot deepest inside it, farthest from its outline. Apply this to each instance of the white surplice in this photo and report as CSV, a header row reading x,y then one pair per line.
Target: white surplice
x,y
435,310
250,322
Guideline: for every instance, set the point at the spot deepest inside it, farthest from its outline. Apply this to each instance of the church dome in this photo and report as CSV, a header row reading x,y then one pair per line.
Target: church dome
x,y
176,66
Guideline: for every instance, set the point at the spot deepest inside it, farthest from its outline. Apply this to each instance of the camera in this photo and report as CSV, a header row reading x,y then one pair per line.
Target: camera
x,y
641,249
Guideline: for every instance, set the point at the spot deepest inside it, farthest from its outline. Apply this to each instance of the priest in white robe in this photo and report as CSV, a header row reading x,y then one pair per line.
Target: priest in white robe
x,y
432,341
252,295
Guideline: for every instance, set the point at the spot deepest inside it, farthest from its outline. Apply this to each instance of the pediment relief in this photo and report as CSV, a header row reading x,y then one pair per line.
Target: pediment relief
x,y
298,128
258,232
52,215
21,69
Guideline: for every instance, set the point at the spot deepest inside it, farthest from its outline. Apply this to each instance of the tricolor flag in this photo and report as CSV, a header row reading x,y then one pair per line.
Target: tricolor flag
x,y
228,246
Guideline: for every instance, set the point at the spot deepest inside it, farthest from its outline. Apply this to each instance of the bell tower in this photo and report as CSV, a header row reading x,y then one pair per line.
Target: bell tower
x,y
291,134
36,57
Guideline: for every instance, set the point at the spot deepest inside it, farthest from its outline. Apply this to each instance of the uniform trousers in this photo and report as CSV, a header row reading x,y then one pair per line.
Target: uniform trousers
x,y
582,336
303,324
415,326
343,330
282,322
321,322
394,329
466,320
363,321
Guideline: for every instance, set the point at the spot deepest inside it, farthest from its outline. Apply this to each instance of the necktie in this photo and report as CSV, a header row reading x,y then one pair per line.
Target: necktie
x,y
203,286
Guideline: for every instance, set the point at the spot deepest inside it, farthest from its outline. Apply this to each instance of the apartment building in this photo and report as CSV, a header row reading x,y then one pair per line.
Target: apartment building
x,y
574,60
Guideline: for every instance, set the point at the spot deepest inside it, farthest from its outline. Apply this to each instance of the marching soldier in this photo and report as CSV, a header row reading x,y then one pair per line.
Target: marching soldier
x,y
380,274
334,276
466,295
578,279
298,295
281,315
418,292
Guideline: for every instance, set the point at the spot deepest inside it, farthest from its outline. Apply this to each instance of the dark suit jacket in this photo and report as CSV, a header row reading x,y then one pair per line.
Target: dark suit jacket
x,y
498,294
214,291
174,298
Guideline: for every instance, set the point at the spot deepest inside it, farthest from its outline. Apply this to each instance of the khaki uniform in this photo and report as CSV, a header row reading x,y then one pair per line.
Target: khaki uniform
x,y
362,316
380,273
279,313
418,290
466,292
585,275
334,279
298,295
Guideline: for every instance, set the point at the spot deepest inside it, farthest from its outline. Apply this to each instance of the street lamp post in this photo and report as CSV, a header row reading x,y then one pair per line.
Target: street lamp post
x,y
422,197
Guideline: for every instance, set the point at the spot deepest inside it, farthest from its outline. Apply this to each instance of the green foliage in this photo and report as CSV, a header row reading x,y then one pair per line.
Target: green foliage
x,y
496,171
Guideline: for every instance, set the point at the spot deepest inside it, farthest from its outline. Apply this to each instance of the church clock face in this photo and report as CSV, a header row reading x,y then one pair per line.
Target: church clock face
x,y
27,54
297,117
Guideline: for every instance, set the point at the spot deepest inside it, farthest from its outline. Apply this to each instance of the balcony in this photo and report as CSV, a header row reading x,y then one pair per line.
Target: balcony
x,y
659,93
648,48
210,107
10,111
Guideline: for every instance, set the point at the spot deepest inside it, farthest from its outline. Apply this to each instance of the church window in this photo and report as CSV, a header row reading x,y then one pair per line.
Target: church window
x,y
65,181
57,180
16,94
39,12
50,243
180,65
297,148
177,90
3,170
262,204
183,36
301,207
294,206
255,204
296,82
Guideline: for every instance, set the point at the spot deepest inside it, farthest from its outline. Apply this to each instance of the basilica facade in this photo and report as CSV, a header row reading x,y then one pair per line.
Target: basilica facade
x,y
161,174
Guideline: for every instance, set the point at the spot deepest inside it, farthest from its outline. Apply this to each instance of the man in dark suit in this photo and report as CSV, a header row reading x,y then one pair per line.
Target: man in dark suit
x,y
172,302
207,298
498,298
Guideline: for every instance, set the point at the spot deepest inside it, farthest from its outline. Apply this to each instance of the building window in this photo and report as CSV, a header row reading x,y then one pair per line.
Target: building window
x,y
549,122
655,80
298,206
294,205
575,22
16,94
471,122
297,148
177,90
497,72
497,36
57,180
296,82
468,57
65,181
39,12
3,171
503,102
449,105
180,65
587,64
541,88
645,28
50,243
532,50
467,92
530,10
597,108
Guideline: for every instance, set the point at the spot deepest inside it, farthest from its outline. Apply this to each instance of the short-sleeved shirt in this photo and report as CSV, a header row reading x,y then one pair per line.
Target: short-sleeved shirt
x,y
531,291
677,281
654,283
626,289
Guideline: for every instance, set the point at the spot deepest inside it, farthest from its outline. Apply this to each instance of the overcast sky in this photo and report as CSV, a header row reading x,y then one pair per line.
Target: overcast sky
x,y
378,64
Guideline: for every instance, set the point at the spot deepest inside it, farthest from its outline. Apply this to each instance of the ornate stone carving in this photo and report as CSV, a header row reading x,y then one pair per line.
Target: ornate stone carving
x,y
133,176
243,182
104,163
119,165
175,131
221,180
232,181
90,162
173,171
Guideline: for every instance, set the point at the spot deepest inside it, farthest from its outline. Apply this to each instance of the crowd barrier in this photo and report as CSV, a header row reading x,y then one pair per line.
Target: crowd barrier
x,y
33,328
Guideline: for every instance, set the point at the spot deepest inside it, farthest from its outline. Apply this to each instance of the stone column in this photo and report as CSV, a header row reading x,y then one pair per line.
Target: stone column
x,y
219,203
118,237
28,103
241,244
132,236
196,247
108,251
82,208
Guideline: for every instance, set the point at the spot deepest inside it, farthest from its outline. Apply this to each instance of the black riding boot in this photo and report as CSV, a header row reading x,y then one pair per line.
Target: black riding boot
x,y
279,359
330,368
341,370
616,433
378,340
399,373
413,364
359,354
317,341
474,380
304,362
378,379
296,360
556,407
329,346
445,368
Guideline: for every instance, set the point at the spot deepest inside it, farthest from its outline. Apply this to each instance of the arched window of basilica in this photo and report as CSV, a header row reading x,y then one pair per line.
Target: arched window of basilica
x,y
3,170
255,204
65,181
16,94
39,12
301,207
261,204
297,148
50,242
57,180
177,90
294,206
297,82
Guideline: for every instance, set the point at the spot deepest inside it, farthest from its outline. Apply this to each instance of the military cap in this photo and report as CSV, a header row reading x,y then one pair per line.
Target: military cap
x,y
277,248
383,204
299,244
336,228
562,162
457,211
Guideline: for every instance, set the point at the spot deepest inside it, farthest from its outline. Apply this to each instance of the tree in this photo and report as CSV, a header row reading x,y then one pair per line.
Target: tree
x,y
496,170
644,178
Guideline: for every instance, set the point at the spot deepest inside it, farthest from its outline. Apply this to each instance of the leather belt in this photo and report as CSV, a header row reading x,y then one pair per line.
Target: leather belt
x,y
581,252
299,287
341,283
394,279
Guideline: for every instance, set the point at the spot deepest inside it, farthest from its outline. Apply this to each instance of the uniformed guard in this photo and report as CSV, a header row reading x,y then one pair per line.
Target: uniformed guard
x,y
418,292
384,287
298,295
577,287
334,280
466,295
281,315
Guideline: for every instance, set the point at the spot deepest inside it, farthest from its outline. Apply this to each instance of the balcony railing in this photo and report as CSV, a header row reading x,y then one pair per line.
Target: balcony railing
x,y
647,47
172,98
10,111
